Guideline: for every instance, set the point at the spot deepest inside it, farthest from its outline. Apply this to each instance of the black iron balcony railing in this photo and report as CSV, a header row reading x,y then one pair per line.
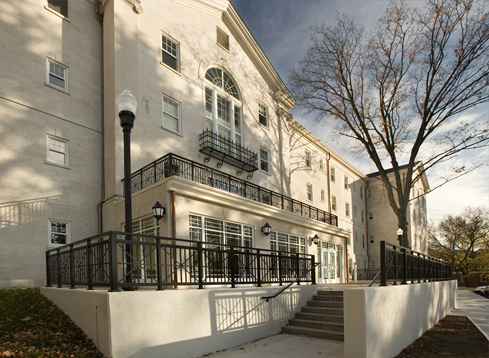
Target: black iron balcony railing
x,y
174,165
121,260
402,265
214,145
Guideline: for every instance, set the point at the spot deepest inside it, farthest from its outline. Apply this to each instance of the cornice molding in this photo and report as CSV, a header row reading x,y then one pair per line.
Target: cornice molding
x,y
205,193
211,7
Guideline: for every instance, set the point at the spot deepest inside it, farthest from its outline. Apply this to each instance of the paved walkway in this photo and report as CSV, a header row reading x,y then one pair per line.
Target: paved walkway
x,y
288,345
475,307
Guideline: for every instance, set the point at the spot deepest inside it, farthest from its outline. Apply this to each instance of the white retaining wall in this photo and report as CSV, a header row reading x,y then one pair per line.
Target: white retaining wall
x,y
178,323
382,321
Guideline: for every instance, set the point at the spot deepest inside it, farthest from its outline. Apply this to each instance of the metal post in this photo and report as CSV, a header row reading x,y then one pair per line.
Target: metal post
x,y
72,268
58,255
383,264
158,264
89,264
404,267
298,273
113,274
280,268
395,265
200,264
231,266
258,267
313,270
48,270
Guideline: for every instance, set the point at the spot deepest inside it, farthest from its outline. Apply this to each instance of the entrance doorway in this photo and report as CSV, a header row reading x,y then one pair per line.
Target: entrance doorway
x,y
329,256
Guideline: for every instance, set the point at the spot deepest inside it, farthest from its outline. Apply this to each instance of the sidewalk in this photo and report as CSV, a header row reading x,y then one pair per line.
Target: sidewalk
x,y
287,345
475,307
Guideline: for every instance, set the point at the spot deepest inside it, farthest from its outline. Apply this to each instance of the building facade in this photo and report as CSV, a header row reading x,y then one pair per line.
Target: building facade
x,y
213,141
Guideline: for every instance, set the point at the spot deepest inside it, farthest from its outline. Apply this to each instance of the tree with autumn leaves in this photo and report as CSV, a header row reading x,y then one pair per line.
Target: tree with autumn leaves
x,y
398,92
463,240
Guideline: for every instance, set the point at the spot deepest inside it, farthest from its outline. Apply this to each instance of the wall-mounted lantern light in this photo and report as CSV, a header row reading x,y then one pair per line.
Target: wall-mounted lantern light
x,y
266,229
158,211
315,239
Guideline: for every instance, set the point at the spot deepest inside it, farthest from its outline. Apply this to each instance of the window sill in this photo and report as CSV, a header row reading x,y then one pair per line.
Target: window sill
x,y
264,172
171,131
264,126
170,68
56,13
221,46
56,88
57,164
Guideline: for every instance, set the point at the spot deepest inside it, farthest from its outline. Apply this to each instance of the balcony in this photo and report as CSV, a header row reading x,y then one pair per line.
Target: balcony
x,y
174,165
225,150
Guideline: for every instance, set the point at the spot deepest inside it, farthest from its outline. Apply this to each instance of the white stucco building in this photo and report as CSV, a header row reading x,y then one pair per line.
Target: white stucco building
x,y
213,141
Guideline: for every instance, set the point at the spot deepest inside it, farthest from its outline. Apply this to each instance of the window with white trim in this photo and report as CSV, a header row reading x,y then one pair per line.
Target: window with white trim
x,y
263,114
287,243
346,182
363,216
321,164
59,232
57,150
354,211
372,239
307,158
322,195
372,264
223,105
216,231
222,38
57,75
369,193
361,192
370,216
347,209
333,203
309,191
59,6
171,115
265,160
332,174
170,52
363,241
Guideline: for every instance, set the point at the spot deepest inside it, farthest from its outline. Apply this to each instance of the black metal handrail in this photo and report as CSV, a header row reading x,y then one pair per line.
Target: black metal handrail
x,y
175,165
122,260
222,148
312,269
400,264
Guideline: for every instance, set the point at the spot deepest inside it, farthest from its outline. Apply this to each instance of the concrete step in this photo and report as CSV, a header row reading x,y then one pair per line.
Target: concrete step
x,y
330,293
319,317
323,310
327,326
328,298
325,304
314,332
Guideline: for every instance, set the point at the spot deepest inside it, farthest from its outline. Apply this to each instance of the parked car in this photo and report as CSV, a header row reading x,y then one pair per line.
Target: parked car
x,y
482,290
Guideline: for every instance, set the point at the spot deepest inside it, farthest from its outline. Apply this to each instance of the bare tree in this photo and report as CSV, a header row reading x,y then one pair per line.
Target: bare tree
x,y
462,240
399,90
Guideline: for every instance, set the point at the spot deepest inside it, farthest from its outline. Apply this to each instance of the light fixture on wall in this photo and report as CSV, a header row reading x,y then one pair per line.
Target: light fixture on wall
x,y
266,229
399,235
158,211
315,239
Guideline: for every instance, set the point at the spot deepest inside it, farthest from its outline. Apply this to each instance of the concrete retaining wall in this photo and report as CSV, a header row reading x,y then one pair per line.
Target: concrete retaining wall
x,y
382,321
178,323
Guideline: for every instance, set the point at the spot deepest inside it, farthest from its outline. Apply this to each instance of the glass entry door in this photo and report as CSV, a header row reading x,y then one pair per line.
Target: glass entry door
x,y
330,266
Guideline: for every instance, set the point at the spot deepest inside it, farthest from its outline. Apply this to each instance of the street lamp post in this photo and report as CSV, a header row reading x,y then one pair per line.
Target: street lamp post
x,y
126,105
399,235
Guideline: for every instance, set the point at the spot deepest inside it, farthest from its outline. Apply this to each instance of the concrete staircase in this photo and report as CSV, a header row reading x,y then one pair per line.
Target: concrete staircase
x,y
321,318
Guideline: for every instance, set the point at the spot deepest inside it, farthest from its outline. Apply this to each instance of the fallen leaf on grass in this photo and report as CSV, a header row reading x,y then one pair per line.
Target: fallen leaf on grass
x,y
26,319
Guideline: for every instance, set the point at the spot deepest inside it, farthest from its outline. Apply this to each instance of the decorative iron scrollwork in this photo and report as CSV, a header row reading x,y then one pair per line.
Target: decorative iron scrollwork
x,y
206,159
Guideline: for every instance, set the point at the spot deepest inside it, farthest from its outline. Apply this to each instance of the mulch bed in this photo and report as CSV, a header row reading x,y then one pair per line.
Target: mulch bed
x,y
453,337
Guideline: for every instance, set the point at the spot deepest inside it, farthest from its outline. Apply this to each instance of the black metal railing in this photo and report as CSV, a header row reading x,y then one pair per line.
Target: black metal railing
x,y
402,265
174,165
366,274
121,260
226,150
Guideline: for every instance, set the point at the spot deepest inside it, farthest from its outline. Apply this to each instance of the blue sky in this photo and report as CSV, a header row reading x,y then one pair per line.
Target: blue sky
x,y
282,29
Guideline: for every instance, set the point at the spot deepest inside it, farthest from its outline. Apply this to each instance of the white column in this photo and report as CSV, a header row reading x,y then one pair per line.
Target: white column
x,y
214,111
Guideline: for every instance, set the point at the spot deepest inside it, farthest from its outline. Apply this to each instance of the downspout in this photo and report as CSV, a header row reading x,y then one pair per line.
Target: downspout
x,y
99,205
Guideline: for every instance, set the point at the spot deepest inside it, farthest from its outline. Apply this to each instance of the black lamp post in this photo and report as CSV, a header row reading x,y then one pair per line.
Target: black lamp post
x,y
158,211
126,105
399,235
266,229
315,239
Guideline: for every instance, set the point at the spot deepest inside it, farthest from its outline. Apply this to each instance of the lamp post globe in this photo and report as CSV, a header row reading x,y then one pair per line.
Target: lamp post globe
x,y
399,235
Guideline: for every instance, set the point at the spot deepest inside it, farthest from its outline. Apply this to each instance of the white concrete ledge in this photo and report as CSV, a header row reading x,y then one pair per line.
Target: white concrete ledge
x,y
178,323
382,321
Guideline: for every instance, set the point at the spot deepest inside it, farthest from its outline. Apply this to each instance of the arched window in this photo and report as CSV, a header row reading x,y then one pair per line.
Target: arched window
x,y
223,105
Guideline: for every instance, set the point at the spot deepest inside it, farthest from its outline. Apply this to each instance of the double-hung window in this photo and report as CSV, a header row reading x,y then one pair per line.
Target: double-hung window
x,y
346,183
170,52
263,114
309,191
332,174
307,156
57,150
321,165
265,160
59,232
347,209
171,115
333,203
57,75
322,195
